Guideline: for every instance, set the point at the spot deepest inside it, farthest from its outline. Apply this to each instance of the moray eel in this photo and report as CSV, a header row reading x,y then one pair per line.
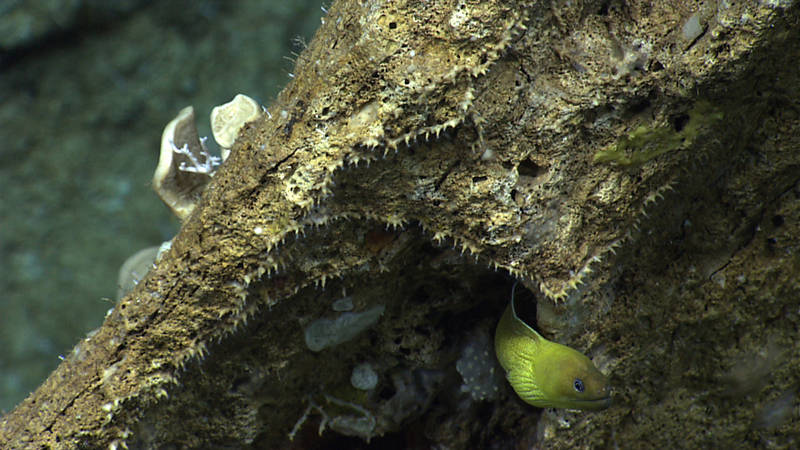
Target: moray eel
x,y
546,374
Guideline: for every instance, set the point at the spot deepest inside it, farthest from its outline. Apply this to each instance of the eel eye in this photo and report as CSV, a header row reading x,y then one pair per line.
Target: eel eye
x,y
578,385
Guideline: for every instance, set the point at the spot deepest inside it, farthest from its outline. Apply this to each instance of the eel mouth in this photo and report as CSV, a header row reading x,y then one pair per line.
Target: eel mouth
x,y
595,404
584,404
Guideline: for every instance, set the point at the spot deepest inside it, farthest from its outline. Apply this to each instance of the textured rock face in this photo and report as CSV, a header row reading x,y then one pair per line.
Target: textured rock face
x,y
478,124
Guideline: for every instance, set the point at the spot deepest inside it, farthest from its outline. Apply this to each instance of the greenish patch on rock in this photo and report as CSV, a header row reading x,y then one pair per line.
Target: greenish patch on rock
x,y
646,143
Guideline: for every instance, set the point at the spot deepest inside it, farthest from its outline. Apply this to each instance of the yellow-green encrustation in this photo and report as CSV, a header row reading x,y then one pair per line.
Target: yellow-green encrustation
x,y
546,374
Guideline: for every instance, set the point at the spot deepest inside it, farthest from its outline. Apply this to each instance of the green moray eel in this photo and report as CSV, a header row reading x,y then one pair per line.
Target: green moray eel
x,y
546,374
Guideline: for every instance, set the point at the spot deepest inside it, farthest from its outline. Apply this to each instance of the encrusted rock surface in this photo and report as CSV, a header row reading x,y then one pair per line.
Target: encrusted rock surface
x,y
477,125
